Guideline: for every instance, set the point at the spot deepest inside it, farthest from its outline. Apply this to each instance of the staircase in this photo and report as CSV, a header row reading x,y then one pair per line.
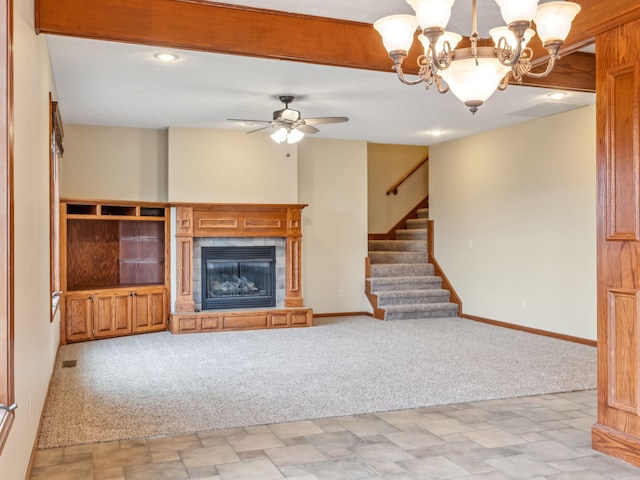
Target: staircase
x,y
400,283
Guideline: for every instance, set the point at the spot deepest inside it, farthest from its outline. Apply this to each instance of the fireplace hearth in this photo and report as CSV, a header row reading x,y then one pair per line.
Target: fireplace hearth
x,y
238,277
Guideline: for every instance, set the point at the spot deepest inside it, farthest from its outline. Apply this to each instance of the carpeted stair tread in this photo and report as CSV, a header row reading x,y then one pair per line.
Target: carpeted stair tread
x,y
397,245
398,257
380,284
421,310
409,297
401,269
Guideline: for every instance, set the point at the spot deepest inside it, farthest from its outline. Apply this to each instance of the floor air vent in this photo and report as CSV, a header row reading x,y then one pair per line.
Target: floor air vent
x,y
69,363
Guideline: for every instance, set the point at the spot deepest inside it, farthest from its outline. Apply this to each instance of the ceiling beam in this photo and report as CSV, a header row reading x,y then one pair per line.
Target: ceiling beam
x,y
229,29
572,72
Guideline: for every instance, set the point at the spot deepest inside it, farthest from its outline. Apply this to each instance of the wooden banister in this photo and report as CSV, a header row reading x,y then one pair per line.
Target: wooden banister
x,y
394,188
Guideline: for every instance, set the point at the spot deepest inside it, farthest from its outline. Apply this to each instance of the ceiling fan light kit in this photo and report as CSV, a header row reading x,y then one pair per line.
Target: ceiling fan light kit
x,y
291,127
474,73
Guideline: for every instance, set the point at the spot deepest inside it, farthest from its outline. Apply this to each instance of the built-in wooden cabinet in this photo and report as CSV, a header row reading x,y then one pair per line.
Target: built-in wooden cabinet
x,y
114,268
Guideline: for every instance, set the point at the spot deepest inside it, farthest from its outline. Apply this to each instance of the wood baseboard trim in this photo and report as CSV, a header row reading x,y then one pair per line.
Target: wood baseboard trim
x,y
616,444
545,333
342,314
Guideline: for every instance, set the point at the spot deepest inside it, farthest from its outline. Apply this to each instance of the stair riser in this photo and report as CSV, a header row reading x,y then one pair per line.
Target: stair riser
x,y
397,246
404,285
382,302
391,270
413,234
417,223
423,213
441,313
397,257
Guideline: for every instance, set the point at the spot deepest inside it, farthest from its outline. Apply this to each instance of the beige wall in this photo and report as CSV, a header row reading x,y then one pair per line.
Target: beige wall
x,y
36,339
114,163
386,165
333,181
230,167
514,213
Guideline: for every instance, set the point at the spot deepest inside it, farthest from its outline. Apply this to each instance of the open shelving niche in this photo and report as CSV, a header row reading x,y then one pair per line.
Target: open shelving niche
x,y
114,268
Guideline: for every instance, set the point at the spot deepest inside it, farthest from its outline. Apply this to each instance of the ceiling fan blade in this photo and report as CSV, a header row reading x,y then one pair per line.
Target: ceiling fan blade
x,y
308,129
261,128
247,121
319,120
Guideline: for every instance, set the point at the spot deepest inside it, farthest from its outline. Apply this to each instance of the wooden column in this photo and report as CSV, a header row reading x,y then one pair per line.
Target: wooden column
x,y
184,259
293,289
617,431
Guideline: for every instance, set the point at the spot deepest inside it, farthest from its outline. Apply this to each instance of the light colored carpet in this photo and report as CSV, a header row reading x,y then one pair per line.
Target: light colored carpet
x,y
158,384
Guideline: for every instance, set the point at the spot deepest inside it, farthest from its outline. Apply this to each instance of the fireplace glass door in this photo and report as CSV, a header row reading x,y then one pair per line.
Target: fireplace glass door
x,y
238,277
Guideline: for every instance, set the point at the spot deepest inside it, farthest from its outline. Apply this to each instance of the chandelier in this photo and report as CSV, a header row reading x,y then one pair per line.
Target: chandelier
x,y
473,73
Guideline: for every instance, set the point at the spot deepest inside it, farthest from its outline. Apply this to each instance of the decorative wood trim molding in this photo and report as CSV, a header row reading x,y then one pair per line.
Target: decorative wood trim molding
x,y
603,16
544,333
622,339
390,235
623,183
240,220
293,282
616,444
226,320
184,275
373,298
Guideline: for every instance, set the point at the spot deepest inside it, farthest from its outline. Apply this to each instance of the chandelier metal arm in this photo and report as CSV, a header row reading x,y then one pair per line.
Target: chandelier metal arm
x,y
398,57
403,79
552,47
509,56
437,61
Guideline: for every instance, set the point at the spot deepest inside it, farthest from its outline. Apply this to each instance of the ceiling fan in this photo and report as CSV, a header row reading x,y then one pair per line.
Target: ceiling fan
x,y
290,125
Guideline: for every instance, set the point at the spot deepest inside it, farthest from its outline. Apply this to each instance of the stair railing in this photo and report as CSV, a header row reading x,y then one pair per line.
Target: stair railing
x,y
394,188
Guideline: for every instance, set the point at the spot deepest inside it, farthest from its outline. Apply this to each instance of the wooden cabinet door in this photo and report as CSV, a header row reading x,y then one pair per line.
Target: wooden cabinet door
x,y
78,316
149,309
112,315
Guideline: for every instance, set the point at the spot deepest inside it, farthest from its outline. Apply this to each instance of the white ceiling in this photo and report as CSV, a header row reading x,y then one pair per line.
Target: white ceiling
x,y
117,84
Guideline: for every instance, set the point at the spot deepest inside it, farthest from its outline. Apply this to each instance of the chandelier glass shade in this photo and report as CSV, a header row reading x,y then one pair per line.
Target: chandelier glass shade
x,y
474,72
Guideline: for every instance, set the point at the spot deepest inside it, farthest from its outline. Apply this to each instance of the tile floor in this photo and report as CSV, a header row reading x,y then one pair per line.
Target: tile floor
x,y
537,437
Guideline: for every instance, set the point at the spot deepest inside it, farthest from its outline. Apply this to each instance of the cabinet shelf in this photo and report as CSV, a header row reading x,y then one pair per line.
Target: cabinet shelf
x,y
92,209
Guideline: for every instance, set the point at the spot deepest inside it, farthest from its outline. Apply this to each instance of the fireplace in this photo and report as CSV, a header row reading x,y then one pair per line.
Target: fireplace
x,y
199,308
238,277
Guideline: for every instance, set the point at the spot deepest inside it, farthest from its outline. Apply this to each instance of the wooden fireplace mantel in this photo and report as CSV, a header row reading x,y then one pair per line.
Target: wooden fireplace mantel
x,y
207,220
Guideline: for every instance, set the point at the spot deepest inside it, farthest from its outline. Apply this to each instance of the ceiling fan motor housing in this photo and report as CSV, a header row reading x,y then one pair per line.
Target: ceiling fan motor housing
x,y
286,114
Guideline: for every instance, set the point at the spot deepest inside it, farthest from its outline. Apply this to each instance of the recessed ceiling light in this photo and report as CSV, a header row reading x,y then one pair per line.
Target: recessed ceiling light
x,y
435,133
557,95
166,56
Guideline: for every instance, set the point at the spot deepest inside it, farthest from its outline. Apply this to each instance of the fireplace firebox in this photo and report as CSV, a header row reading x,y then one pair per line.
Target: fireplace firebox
x,y
238,277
